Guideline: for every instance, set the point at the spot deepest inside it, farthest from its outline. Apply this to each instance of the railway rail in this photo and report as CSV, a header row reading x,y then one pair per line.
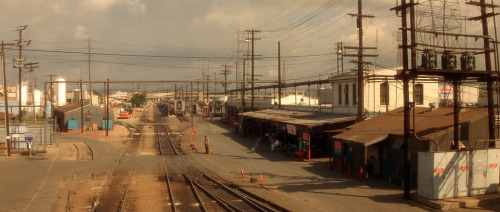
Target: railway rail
x,y
187,187
113,196
212,190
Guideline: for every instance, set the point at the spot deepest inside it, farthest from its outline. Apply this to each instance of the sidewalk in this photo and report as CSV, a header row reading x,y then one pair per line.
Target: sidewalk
x,y
485,202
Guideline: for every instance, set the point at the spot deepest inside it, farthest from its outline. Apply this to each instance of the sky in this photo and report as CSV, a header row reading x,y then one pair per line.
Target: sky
x,y
189,39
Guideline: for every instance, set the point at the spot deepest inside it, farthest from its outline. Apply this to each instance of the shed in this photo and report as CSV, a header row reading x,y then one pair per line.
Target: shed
x,y
379,140
92,115
305,131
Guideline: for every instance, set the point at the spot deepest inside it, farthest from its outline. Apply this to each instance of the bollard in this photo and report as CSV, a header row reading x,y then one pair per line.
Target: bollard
x,y
349,169
242,174
86,134
361,172
340,166
261,180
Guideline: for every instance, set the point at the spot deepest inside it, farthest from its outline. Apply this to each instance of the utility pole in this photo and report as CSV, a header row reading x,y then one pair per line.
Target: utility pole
x,y
18,64
243,86
253,38
81,106
175,91
208,97
225,72
192,105
205,68
197,92
406,74
6,102
90,83
215,94
360,62
487,60
31,67
107,107
279,76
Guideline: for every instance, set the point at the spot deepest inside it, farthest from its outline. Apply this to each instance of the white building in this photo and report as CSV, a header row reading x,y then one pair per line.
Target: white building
x,y
382,92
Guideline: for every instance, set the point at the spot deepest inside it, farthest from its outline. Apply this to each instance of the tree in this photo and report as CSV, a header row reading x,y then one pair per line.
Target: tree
x,y
138,99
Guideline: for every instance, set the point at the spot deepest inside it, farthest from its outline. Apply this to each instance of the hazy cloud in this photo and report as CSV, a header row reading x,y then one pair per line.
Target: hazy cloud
x,y
199,28
80,32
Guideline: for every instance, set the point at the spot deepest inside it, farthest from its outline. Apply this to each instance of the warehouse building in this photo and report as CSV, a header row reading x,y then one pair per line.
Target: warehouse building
x,y
69,117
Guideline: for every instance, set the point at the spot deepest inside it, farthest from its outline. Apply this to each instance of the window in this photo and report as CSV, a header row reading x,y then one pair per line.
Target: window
x,y
384,93
346,92
354,94
340,94
419,94
179,105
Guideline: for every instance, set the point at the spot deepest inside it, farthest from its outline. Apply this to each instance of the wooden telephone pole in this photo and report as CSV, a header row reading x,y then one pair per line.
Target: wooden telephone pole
x,y
360,62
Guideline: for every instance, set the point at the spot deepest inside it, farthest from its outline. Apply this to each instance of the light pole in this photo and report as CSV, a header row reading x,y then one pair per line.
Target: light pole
x,y
18,64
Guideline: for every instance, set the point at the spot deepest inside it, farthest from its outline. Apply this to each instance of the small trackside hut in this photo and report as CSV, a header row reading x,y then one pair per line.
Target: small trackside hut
x,y
69,116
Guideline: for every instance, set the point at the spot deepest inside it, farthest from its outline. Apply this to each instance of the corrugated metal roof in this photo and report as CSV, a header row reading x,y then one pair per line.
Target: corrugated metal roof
x,y
74,106
428,124
69,107
308,119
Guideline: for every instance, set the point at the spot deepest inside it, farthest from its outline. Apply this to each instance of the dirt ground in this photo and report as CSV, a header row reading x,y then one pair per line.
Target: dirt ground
x,y
147,191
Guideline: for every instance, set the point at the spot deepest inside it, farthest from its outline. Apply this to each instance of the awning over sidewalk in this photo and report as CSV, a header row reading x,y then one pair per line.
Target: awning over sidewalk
x,y
308,119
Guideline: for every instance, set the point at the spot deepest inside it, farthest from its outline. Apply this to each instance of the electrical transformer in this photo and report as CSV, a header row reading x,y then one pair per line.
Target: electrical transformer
x,y
429,59
467,61
448,60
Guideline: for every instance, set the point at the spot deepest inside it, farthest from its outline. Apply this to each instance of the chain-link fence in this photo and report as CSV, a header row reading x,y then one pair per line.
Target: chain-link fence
x,y
41,132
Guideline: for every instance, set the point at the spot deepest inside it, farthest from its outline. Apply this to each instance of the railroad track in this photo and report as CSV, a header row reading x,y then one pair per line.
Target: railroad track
x,y
113,196
207,192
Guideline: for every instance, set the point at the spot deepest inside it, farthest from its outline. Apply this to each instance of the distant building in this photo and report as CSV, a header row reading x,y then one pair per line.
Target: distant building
x,y
382,93
71,113
122,95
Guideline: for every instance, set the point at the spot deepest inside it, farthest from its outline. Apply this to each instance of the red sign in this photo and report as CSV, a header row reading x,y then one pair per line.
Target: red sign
x,y
338,148
493,165
464,168
438,170
305,136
